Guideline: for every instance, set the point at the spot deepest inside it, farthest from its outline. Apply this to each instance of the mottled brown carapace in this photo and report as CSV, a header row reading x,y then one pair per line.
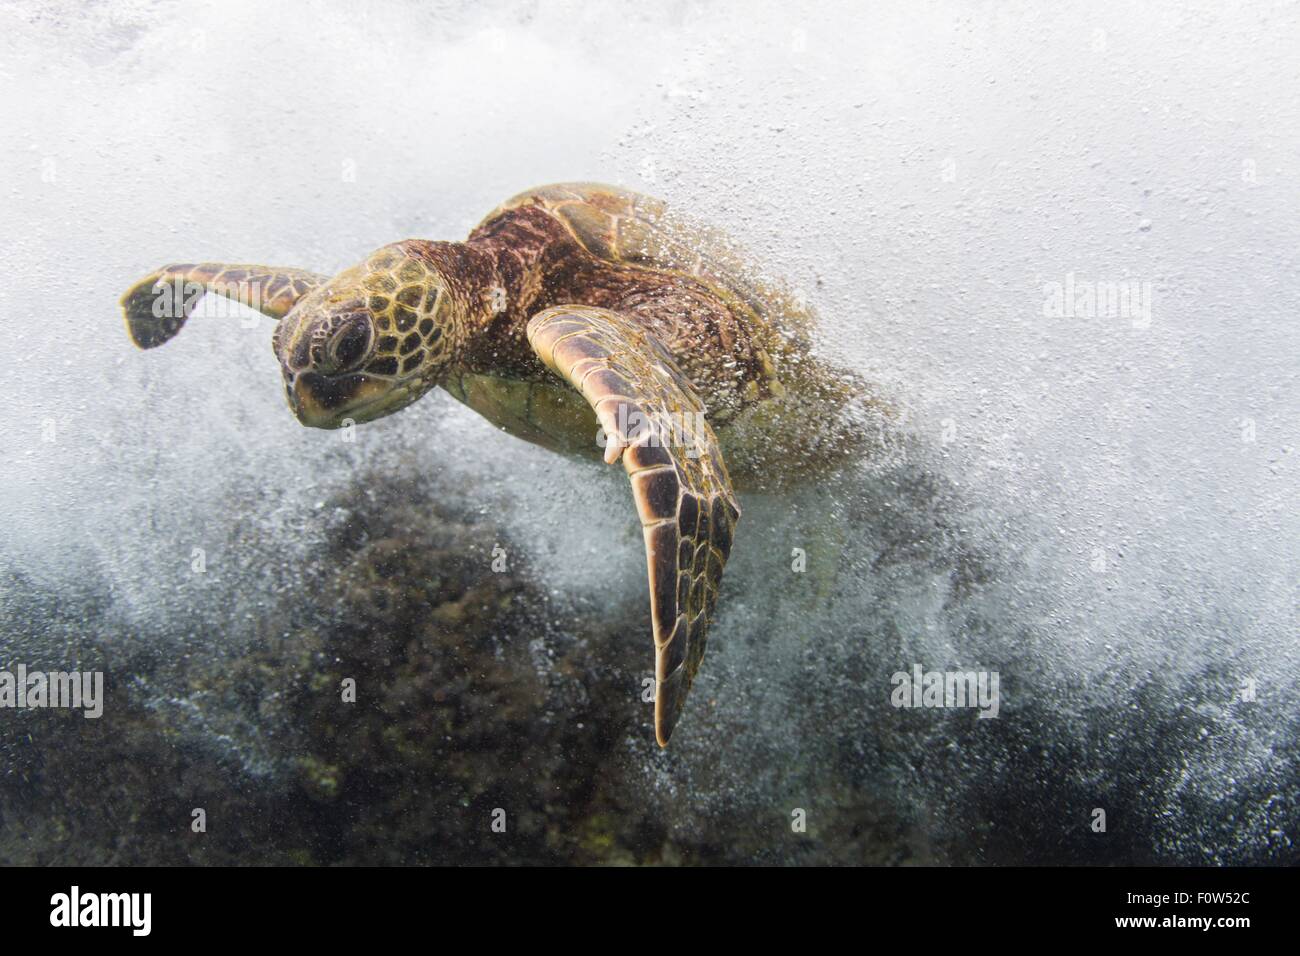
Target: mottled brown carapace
x,y
586,319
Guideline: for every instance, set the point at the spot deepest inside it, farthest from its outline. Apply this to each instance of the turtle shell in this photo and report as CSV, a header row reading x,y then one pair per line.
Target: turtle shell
x,y
621,226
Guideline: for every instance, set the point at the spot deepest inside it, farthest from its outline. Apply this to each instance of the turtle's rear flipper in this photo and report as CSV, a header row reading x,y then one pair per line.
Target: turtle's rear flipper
x,y
157,306
652,417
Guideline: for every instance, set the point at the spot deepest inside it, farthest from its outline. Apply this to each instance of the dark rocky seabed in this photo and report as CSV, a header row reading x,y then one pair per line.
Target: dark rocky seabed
x,y
469,699
475,693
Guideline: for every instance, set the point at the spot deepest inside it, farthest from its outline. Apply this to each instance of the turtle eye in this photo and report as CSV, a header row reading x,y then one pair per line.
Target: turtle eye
x,y
351,343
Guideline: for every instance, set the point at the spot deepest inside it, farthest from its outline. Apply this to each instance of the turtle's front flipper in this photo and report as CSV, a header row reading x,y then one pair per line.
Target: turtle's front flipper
x,y
157,306
652,417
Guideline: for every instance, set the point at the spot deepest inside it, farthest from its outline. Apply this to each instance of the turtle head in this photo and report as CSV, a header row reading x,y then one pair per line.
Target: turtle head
x,y
368,342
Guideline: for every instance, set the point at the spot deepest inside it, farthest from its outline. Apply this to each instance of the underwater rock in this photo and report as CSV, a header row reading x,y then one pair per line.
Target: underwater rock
x,y
422,698
414,706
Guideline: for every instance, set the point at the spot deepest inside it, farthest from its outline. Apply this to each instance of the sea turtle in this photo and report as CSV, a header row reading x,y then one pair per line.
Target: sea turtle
x,y
587,319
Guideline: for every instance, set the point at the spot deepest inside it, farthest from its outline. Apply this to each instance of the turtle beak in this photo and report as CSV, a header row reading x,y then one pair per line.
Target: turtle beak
x,y
323,401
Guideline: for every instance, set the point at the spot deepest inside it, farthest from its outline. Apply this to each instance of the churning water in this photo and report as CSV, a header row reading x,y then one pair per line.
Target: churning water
x,y
1062,238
